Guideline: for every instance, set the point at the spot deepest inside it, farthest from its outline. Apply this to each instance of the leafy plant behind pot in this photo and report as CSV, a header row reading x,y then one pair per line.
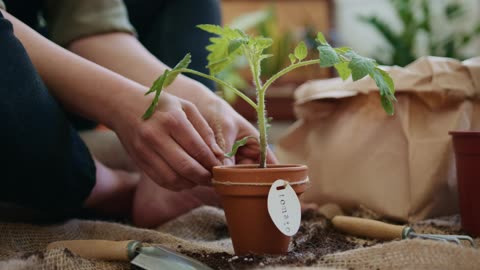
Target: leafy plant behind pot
x,y
232,43
416,18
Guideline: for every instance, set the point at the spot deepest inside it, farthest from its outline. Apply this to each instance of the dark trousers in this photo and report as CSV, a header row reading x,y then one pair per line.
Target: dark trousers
x,y
43,163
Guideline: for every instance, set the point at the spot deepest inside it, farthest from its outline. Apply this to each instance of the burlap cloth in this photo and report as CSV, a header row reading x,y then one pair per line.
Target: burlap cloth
x,y
202,233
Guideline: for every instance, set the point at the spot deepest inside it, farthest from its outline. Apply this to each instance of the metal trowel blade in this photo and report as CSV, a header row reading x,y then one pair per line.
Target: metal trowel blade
x,y
158,258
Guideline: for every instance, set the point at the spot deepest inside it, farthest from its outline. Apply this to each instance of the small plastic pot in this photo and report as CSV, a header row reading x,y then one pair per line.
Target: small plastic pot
x,y
466,145
244,190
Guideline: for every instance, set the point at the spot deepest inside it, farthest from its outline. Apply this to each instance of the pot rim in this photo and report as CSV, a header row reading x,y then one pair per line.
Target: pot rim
x,y
272,167
464,133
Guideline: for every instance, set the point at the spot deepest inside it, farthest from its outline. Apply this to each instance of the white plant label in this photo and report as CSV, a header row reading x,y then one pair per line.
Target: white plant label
x,y
284,207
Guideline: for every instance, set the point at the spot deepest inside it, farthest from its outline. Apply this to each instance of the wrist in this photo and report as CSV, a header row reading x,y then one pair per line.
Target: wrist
x,y
127,106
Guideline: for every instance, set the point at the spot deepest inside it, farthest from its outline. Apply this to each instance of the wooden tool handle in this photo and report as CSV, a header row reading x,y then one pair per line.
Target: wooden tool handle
x,y
367,228
96,249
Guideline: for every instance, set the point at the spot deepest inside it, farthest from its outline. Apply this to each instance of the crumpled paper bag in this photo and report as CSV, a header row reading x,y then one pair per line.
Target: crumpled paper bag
x,y
400,166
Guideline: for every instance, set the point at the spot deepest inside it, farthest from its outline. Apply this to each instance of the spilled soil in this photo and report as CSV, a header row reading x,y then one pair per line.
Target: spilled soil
x,y
315,238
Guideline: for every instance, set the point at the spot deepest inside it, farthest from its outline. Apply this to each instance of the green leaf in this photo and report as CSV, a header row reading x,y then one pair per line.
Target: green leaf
x,y
328,56
387,105
343,71
211,28
386,77
321,38
301,51
151,108
157,87
187,59
342,50
235,44
223,49
292,57
237,145
361,66
219,65
158,83
386,88
262,43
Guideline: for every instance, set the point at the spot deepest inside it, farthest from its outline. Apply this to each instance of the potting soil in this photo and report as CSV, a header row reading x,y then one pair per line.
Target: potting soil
x,y
203,234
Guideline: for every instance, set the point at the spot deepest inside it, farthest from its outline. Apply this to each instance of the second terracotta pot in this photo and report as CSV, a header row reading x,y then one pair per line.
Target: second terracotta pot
x,y
244,191
467,155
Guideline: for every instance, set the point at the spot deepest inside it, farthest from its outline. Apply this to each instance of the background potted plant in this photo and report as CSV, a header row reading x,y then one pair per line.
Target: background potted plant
x,y
417,20
245,189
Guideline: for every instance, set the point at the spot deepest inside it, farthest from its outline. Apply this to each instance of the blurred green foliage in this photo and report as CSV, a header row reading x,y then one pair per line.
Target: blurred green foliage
x,y
416,17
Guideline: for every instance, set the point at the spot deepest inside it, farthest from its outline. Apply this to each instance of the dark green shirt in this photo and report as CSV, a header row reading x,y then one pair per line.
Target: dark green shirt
x,y
68,20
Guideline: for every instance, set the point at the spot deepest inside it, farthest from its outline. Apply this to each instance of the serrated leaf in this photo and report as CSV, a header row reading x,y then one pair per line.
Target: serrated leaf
x,y
237,145
342,50
223,49
386,88
321,38
211,28
241,33
301,51
157,86
328,56
293,59
187,59
154,85
217,66
158,83
151,109
343,71
262,43
386,77
235,44
387,105
361,66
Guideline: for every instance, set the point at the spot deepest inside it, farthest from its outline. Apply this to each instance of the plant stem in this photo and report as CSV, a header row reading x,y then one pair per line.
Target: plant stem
x,y
229,86
261,113
286,70
262,127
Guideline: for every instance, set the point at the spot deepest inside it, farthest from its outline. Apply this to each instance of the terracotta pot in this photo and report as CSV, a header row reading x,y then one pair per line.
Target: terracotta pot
x,y
467,155
245,204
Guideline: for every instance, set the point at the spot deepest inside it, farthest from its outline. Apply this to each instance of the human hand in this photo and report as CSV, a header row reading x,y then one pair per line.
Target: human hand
x,y
176,147
229,126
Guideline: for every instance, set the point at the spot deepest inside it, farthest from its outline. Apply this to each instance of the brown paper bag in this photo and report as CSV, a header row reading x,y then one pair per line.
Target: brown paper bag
x,y
400,166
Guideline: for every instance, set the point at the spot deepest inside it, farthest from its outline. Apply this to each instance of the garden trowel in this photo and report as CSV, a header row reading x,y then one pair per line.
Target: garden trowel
x,y
375,229
150,258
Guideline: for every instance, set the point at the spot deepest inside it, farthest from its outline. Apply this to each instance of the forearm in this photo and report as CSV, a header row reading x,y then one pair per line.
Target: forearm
x,y
78,84
129,58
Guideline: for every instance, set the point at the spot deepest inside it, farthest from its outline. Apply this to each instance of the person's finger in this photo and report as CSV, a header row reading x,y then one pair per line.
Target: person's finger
x,y
162,174
189,139
271,158
202,127
182,162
